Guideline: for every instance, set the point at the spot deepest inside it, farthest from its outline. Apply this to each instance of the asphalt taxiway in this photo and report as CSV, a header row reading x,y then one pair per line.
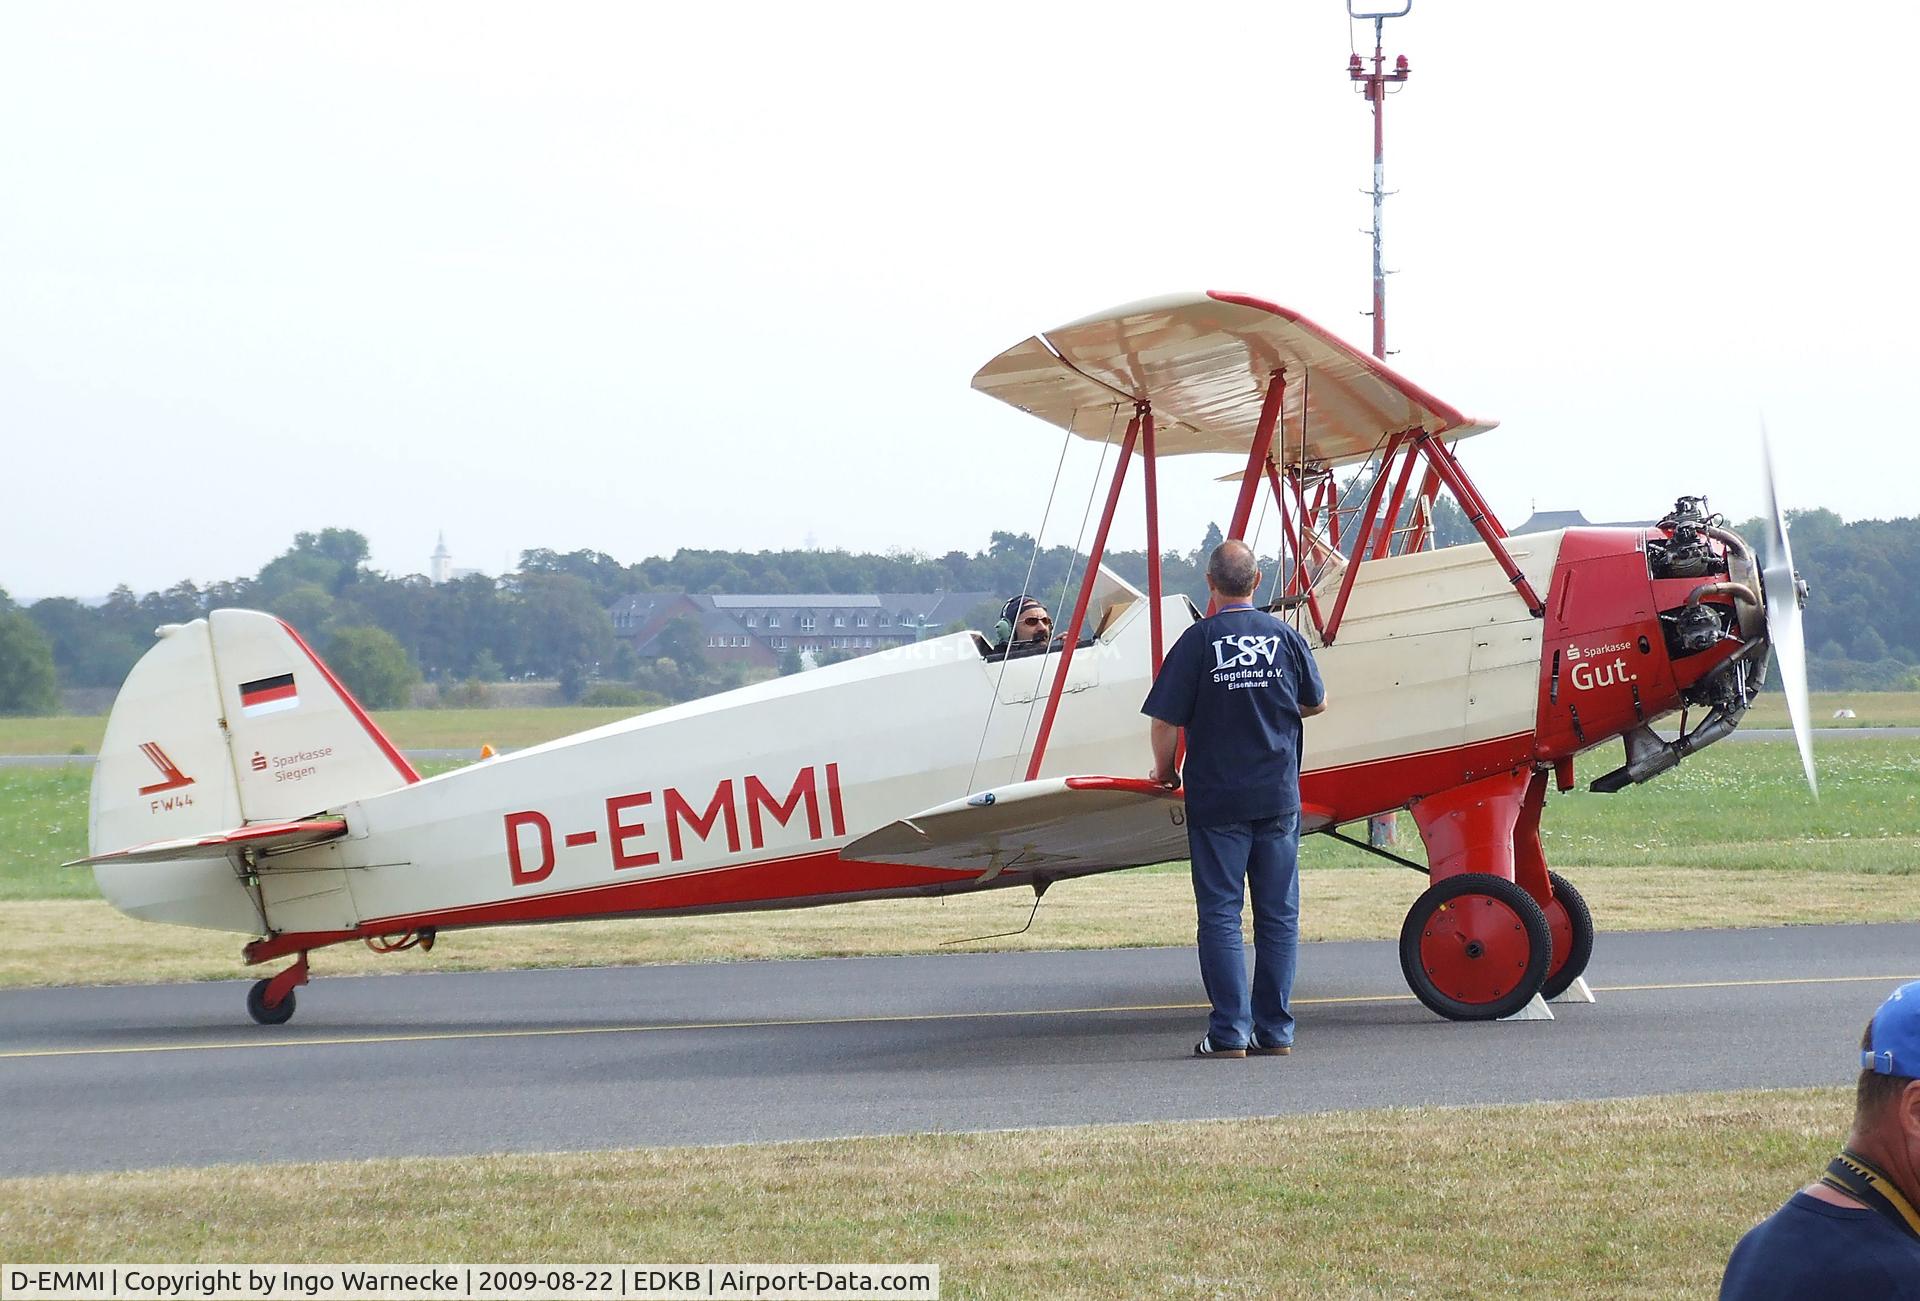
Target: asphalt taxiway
x,y
135,1076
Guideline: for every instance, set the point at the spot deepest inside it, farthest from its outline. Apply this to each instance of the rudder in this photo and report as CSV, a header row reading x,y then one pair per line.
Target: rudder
x,y
300,742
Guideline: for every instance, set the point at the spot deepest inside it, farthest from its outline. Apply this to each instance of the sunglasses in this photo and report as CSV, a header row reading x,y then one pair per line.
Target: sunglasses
x,y
1035,620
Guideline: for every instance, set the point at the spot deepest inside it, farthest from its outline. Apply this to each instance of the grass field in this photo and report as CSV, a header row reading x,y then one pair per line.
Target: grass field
x,y
459,729
410,729
1643,1197
1746,806
1875,709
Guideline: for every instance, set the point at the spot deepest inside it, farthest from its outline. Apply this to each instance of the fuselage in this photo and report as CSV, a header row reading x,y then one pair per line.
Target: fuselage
x,y
1439,675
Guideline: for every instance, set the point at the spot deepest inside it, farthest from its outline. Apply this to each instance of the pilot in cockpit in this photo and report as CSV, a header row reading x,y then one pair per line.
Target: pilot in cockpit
x,y
1025,628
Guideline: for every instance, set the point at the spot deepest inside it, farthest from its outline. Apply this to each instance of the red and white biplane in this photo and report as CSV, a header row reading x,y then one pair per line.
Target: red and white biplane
x,y
240,787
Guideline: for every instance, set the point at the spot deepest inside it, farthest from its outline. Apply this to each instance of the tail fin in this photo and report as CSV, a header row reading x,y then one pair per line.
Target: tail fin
x,y
227,721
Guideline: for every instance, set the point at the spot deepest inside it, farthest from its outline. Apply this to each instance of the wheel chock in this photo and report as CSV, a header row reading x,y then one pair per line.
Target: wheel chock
x,y
1578,992
1535,1010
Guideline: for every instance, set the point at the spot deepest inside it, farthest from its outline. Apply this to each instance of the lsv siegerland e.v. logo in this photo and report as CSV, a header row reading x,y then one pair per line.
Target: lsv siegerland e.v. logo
x,y
171,779
1245,660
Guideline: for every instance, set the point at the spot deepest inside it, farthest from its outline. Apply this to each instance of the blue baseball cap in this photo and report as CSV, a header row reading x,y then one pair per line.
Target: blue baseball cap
x,y
1894,1035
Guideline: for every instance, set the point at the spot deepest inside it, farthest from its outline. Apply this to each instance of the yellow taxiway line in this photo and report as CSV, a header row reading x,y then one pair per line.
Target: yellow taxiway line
x,y
438,1036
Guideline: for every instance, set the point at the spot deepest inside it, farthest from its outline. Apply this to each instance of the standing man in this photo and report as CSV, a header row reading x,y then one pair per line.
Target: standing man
x,y
1239,682
1855,1233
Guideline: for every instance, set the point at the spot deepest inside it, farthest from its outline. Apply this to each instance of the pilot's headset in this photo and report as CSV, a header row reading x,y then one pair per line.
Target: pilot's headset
x,y
1003,631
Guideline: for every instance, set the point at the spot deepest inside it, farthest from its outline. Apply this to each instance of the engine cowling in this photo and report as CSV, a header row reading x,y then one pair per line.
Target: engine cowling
x,y
1640,622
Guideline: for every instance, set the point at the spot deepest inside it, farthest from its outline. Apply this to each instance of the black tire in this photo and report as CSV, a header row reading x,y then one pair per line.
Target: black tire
x,y
1475,947
1575,921
257,1005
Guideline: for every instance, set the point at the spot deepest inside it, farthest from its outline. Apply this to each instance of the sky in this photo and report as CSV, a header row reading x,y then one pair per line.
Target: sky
x,y
637,278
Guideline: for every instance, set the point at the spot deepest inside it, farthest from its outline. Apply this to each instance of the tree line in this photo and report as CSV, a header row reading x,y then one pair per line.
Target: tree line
x,y
549,619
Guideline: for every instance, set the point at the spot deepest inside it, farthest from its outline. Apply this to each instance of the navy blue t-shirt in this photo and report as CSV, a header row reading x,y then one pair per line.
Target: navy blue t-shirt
x,y
1236,682
1811,1248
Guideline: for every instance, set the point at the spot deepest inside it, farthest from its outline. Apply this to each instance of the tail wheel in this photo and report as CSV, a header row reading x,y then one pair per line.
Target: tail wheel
x,y
1475,947
1572,925
257,1007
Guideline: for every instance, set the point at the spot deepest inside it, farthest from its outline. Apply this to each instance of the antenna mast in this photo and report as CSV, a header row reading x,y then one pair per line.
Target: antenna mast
x,y
1383,829
1374,86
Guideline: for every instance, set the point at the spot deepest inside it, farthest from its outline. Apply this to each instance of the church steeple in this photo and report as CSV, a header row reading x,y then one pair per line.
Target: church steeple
x,y
440,568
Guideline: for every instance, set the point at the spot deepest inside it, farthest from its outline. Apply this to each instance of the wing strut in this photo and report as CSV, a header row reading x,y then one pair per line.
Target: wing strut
x,y
1376,528
1444,463
1257,454
1361,539
1375,535
1152,474
1079,620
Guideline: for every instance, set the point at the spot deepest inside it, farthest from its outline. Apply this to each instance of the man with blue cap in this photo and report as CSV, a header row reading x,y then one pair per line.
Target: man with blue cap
x,y
1857,1231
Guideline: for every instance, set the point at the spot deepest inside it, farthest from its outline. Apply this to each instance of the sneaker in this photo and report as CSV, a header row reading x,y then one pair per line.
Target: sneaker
x,y
1257,1049
1207,1048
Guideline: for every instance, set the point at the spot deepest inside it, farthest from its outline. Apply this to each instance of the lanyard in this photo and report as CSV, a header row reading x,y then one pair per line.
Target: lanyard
x,y
1853,1175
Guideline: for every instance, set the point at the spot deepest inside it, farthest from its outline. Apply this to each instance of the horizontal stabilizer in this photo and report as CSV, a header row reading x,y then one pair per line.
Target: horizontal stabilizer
x,y
264,837
1059,826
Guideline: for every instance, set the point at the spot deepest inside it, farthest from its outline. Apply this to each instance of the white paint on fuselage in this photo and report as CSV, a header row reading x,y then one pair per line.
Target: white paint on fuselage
x,y
1435,651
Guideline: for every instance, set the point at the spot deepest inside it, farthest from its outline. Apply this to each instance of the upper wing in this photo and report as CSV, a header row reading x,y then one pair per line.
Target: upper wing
x,y
1204,362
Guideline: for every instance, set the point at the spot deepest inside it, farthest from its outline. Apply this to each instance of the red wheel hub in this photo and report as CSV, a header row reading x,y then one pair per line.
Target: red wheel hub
x,y
1475,948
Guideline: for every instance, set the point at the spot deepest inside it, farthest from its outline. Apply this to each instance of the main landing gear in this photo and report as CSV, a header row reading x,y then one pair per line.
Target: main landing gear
x,y
1478,945
1572,927
1475,947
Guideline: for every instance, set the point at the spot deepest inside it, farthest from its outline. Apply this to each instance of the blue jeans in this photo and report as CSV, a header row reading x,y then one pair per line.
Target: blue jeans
x,y
1226,859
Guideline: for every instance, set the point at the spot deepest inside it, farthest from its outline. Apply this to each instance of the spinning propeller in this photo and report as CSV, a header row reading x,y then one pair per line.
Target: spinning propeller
x,y
1785,594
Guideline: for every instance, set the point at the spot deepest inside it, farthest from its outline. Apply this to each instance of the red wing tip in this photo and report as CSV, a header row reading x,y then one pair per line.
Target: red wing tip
x,y
1445,410
1258,304
254,831
1135,785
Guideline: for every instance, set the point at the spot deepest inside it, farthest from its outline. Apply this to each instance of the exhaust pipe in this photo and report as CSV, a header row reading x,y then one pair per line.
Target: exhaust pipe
x,y
1649,754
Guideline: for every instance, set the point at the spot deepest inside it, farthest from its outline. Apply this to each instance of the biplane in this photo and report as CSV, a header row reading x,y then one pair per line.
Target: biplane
x,y
241,788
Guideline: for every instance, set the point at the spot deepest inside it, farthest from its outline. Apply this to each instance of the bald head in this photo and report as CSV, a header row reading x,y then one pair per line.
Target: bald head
x,y
1231,570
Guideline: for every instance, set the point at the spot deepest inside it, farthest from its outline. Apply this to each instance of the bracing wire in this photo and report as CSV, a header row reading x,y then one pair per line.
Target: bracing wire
x,y
1106,445
1260,523
1026,585
1341,506
1260,520
1283,563
1280,558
